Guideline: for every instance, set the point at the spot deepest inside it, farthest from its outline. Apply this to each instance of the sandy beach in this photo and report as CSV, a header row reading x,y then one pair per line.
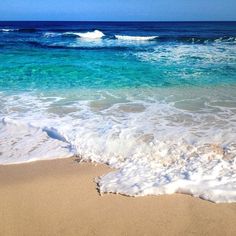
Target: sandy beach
x,y
59,197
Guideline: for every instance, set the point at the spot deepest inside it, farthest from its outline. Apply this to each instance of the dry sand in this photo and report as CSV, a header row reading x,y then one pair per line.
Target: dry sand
x,y
59,197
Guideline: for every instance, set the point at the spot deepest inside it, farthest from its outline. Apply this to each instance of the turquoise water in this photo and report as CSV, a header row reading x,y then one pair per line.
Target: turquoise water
x,y
165,65
155,100
51,55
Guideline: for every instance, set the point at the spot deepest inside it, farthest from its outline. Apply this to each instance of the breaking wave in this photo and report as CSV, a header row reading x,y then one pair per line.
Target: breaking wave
x,y
96,34
136,38
8,30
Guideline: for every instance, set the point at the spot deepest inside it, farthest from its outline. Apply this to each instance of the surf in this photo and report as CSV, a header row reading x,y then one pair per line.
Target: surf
x,y
96,34
135,38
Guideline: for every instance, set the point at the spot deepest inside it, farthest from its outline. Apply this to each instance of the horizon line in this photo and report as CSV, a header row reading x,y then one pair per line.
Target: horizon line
x,y
117,21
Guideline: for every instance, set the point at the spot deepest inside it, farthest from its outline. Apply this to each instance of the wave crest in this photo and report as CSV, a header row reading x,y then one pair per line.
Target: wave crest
x,y
137,38
8,30
96,34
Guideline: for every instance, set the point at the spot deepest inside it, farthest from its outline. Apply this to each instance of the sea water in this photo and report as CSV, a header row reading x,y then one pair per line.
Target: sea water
x,y
156,101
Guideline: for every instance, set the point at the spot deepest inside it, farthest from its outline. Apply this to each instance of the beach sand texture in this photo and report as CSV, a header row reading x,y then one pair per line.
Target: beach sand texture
x,y
59,197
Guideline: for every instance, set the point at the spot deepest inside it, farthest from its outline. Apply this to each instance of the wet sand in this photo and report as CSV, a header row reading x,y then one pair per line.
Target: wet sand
x,y
59,197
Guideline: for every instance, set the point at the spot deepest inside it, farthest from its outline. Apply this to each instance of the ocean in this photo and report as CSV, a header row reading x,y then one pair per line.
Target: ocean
x,y
154,100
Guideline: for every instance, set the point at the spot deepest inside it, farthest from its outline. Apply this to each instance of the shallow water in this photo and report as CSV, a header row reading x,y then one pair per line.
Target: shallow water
x,y
157,101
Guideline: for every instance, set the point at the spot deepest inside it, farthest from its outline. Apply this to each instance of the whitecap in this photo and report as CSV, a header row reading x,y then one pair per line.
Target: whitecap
x,y
8,30
137,38
96,34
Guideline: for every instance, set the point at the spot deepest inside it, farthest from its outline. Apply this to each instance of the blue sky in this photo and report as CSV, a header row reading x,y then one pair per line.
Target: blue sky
x,y
118,10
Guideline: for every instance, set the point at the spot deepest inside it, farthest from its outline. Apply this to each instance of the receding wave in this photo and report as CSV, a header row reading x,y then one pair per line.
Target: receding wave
x,y
168,151
137,38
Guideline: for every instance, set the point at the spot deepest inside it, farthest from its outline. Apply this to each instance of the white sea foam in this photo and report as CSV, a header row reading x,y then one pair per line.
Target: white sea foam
x,y
25,143
181,53
225,40
8,30
96,34
161,141
51,34
136,38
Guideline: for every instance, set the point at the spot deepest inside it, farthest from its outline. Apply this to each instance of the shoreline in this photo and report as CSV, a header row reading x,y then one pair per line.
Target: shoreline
x,y
59,197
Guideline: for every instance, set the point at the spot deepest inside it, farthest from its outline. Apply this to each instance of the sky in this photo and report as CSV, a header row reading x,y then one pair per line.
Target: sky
x,y
118,10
